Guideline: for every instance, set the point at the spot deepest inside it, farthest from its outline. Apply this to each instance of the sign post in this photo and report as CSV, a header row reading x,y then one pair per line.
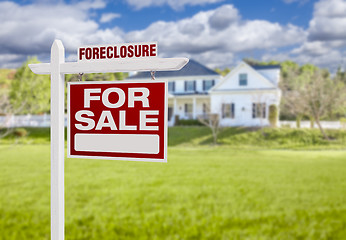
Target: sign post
x,y
104,60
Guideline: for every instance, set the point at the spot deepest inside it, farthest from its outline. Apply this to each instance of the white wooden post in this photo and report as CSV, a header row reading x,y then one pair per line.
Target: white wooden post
x,y
194,110
175,109
57,131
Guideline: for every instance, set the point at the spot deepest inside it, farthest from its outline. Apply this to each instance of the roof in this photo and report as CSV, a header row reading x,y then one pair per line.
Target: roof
x,y
265,67
192,68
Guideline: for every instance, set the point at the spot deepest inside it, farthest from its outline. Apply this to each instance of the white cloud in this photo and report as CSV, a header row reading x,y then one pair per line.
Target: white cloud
x,y
329,20
325,40
316,48
220,30
107,17
174,4
31,29
216,37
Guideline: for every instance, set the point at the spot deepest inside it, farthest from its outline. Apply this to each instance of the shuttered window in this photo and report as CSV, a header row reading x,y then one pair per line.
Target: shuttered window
x,y
259,110
228,110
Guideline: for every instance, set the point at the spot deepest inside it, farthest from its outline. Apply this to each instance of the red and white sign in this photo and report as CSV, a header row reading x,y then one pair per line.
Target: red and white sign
x,y
117,51
124,120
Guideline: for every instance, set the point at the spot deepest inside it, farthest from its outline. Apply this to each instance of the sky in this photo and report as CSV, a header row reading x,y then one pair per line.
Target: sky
x,y
217,33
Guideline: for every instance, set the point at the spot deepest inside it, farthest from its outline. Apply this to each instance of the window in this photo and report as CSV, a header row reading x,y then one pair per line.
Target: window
x,y
228,110
188,110
190,86
171,86
258,110
208,84
205,108
243,79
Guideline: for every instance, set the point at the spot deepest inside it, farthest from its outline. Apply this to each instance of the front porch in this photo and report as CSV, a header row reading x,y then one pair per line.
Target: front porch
x,y
187,107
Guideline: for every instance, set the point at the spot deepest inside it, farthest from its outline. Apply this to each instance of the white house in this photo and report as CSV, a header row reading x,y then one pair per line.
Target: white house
x,y
242,98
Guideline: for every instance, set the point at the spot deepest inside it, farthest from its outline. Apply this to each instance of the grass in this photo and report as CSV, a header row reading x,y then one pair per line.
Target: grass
x,y
236,138
203,192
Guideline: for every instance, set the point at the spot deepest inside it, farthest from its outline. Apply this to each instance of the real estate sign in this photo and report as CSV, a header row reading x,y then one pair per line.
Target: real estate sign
x,y
108,120
118,120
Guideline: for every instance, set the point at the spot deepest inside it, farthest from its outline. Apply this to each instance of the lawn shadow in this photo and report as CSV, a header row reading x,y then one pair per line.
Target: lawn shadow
x,y
227,132
186,134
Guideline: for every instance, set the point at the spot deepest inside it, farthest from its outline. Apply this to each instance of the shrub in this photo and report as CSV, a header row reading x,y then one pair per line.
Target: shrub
x,y
273,115
20,132
343,122
188,122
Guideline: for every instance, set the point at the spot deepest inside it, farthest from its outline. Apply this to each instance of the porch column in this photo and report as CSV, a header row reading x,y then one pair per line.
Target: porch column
x,y
194,107
175,105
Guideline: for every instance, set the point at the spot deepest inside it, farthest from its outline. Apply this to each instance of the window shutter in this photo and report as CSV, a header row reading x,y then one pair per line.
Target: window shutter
x,y
253,110
204,85
223,110
194,85
173,90
185,85
232,111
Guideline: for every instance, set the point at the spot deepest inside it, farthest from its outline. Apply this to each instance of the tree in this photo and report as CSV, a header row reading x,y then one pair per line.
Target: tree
x,y
30,92
223,72
6,111
314,94
254,62
212,121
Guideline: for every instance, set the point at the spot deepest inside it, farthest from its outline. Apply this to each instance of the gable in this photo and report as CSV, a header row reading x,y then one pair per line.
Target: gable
x,y
255,80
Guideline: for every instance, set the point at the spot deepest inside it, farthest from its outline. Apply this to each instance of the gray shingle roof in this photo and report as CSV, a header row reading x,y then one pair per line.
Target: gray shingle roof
x,y
192,68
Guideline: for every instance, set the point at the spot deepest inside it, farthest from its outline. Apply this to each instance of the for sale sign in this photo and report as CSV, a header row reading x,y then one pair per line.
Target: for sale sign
x,y
118,120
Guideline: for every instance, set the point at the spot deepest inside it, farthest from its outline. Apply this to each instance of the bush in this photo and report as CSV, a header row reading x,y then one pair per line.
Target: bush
x,y
188,122
273,115
20,132
343,122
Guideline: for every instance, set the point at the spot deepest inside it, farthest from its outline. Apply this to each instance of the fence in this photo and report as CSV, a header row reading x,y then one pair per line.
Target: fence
x,y
27,121
307,124
44,121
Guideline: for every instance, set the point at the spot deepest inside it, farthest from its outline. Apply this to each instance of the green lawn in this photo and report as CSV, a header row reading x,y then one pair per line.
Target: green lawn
x,y
236,138
203,192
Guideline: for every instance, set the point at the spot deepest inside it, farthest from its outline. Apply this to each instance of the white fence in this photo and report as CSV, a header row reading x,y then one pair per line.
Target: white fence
x,y
44,121
307,124
27,121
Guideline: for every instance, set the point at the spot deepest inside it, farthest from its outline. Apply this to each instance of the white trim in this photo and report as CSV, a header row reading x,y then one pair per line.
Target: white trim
x,y
185,78
245,91
118,65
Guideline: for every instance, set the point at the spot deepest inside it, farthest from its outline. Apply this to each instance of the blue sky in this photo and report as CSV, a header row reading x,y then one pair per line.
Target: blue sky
x,y
218,33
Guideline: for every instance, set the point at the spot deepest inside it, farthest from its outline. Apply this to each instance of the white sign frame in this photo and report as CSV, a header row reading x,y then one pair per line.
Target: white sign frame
x,y
118,158
57,68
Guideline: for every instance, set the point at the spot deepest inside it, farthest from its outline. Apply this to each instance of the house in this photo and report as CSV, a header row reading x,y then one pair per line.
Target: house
x,y
242,98
188,89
